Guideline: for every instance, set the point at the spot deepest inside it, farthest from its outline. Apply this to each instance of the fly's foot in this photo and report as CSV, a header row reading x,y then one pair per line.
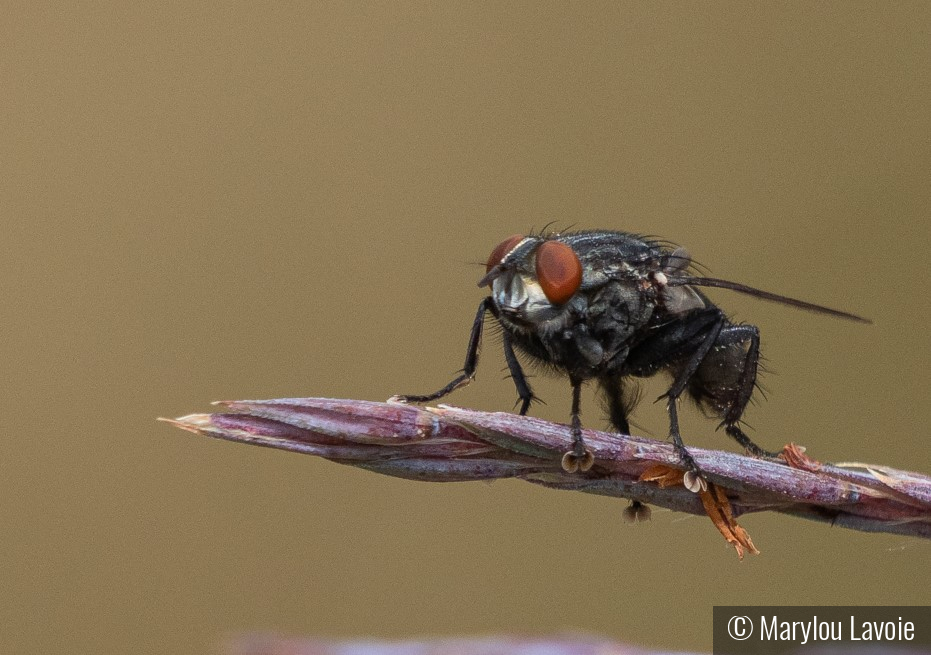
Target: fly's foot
x,y
580,458
458,383
573,462
694,480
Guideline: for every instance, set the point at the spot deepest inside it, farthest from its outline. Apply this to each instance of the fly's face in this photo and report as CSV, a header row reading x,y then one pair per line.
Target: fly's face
x,y
533,280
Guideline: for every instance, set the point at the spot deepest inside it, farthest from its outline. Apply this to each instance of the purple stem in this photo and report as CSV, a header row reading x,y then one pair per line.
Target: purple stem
x,y
448,444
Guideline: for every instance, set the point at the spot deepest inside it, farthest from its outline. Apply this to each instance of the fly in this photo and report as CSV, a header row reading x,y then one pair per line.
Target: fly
x,y
611,307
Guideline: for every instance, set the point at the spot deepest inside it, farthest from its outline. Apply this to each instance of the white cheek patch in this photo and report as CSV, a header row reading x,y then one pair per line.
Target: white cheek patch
x,y
536,299
519,293
509,292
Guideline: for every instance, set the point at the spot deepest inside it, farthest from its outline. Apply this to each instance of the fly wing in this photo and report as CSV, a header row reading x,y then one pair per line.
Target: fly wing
x,y
684,282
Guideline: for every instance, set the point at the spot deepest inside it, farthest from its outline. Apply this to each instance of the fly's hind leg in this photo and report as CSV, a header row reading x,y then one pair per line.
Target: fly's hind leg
x,y
733,430
726,378
741,334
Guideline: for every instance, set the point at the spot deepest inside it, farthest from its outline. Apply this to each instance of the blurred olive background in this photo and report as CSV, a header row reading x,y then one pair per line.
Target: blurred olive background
x,y
245,201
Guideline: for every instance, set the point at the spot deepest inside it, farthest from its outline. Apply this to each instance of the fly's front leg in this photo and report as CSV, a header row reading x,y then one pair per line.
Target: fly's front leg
x,y
468,370
580,458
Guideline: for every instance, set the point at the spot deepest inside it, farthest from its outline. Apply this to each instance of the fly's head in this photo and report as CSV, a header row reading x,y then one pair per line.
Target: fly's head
x,y
534,282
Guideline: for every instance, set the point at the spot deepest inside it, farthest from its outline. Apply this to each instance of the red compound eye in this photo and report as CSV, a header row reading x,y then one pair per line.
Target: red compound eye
x,y
501,250
558,271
